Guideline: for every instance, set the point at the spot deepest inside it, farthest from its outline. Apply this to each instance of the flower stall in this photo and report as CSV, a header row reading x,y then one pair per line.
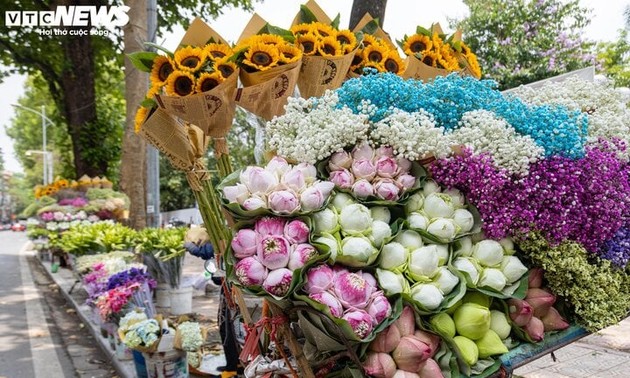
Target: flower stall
x,y
404,228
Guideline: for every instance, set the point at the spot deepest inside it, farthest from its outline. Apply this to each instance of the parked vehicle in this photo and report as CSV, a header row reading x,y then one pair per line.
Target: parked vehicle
x,y
18,227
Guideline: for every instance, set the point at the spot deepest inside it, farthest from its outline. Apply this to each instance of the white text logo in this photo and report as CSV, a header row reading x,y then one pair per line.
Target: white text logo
x,y
80,15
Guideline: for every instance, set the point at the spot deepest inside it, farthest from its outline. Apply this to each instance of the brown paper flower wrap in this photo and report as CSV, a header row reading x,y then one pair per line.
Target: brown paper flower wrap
x,y
144,349
179,342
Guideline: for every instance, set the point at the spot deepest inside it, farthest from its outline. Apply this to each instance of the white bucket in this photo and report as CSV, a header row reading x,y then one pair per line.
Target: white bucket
x,y
171,364
162,296
181,300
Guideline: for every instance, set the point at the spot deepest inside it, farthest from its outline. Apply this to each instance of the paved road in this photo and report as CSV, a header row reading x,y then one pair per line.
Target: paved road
x,y
28,348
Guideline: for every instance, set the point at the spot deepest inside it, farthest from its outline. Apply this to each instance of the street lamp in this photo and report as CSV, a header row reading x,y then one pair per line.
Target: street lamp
x,y
47,157
48,165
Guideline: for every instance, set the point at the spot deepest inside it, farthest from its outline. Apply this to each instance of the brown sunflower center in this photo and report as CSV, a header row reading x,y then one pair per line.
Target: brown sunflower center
x,y
225,69
357,59
375,56
190,62
165,70
323,33
428,60
217,54
209,83
308,46
417,46
261,58
343,39
391,65
329,49
183,85
288,55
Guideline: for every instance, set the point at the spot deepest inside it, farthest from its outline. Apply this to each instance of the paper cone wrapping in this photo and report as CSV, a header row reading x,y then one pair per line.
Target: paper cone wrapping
x,y
379,33
321,73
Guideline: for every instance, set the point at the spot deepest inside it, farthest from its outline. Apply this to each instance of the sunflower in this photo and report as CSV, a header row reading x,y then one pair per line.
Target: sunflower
x,y
38,191
430,58
208,81
347,39
271,39
329,47
464,48
180,83
374,53
378,66
308,43
393,63
141,115
417,43
225,67
471,59
301,29
162,67
369,39
437,41
289,53
155,89
261,57
62,184
190,58
357,62
217,50
322,30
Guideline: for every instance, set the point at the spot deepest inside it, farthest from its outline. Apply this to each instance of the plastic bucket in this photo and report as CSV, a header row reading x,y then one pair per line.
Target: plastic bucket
x,y
171,364
139,364
181,300
162,296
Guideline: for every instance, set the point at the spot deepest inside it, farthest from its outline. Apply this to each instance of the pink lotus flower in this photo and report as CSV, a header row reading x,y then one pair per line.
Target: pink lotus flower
x,y
278,282
520,311
236,194
311,199
360,322
255,202
308,170
296,232
535,329
379,365
405,374
386,341
386,167
553,321
250,272
405,181
535,277
340,160
278,165
342,178
294,179
363,151
406,323
339,270
273,251
270,226
319,279
540,300
386,189
329,300
432,340
352,290
300,255
410,353
284,202
244,243
371,281
404,165
364,169
260,181
379,308
326,187
386,151
362,188
430,369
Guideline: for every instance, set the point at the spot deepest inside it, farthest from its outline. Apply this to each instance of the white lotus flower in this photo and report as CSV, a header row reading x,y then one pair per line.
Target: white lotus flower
x,y
438,205
429,187
427,295
332,243
493,278
445,280
443,228
512,268
355,219
423,262
393,256
465,264
391,282
357,251
414,203
380,232
464,246
464,219
341,200
381,213
418,221
409,239
325,221
488,252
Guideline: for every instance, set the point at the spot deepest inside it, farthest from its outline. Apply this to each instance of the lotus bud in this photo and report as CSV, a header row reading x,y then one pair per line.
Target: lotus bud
x,y
250,272
325,221
379,308
343,179
430,187
357,251
341,200
294,179
318,279
379,365
512,268
540,300
326,298
472,320
469,266
309,171
386,167
360,322
492,278
457,197
273,251
405,374
355,219
278,165
410,352
477,297
392,283
255,202
326,187
405,182
409,239
431,339
467,349
553,321
284,202
332,243
488,252
386,341
393,256
245,173
427,295
404,165
362,189
423,262
430,369
418,221
380,213
244,243
414,203
445,280
490,344
499,324
311,199
386,189
535,277
261,181
300,255
443,324
352,290
406,323
296,232
363,169
270,226
370,279
340,160
463,247
278,282
380,232
508,246
535,329
520,311
363,151
387,151
236,194
464,219
438,205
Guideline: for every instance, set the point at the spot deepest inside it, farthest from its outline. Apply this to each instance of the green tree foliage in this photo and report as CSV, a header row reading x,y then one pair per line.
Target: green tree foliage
x,y
615,56
521,41
21,191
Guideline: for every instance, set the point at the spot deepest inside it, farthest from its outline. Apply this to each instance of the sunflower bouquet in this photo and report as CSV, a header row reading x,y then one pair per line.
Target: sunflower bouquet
x,y
376,50
432,53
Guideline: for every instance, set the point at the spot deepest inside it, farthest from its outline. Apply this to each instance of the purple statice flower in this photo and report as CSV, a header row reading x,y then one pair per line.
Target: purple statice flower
x,y
617,249
130,276
95,282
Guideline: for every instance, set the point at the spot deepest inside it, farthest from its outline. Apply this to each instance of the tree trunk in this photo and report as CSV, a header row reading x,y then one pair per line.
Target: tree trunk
x,y
376,9
133,159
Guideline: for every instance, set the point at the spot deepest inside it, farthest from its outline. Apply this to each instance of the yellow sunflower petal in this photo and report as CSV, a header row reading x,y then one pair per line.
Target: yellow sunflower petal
x,y
289,53
271,39
329,46
308,43
141,116
322,29
378,66
437,41
217,50
474,65
369,39
162,67
429,58
208,81
393,63
190,58
261,57
347,39
416,44
300,29
225,67
374,53
180,83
